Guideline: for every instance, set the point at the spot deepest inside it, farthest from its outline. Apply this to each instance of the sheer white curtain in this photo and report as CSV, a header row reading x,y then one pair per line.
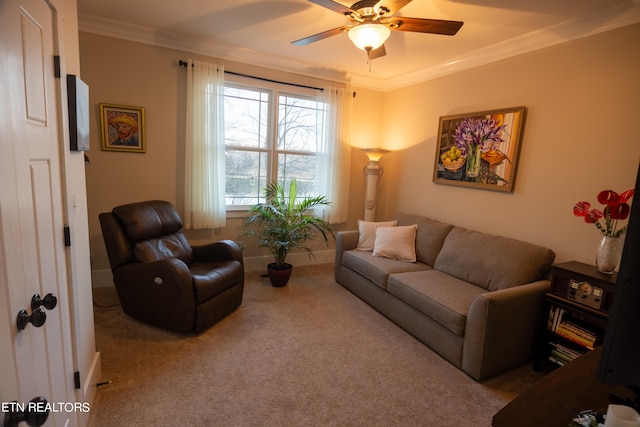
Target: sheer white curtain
x,y
334,160
204,199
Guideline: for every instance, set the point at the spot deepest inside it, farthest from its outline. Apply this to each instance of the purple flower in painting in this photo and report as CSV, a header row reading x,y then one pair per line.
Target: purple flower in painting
x,y
484,132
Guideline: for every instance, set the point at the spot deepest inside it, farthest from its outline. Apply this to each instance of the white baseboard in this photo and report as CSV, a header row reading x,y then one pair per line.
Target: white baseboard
x,y
260,263
89,388
102,278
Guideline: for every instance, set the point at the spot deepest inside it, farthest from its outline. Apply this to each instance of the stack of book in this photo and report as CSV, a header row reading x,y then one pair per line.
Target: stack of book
x,y
561,354
571,330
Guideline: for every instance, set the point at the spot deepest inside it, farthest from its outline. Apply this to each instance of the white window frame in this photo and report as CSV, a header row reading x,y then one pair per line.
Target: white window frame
x,y
272,151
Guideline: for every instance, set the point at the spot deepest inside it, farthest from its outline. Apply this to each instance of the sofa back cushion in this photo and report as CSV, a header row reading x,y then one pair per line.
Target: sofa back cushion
x,y
430,235
492,262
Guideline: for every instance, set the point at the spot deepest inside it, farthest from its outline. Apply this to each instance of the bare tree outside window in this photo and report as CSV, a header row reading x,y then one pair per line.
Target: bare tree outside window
x,y
267,142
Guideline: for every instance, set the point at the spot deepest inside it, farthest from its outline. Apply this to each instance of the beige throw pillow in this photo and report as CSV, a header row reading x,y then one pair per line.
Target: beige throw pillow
x,y
396,242
367,233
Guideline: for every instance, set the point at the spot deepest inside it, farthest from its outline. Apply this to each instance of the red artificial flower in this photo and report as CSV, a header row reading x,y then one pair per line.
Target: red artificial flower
x,y
616,208
608,197
619,211
581,208
593,216
624,197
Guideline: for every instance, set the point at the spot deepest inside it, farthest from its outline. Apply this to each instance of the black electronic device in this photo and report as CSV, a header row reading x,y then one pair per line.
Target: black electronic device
x,y
585,293
620,362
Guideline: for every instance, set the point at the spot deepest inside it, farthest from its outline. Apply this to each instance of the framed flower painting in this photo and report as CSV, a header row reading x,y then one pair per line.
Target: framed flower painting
x,y
479,150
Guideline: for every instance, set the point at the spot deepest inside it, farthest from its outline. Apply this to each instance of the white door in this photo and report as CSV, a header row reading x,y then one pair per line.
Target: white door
x,y
35,361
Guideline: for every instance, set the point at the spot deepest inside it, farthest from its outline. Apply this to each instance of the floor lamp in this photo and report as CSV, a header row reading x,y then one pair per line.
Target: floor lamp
x,y
372,173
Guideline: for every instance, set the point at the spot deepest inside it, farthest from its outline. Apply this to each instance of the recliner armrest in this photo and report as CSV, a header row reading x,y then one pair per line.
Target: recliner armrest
x,y
223,250
160,293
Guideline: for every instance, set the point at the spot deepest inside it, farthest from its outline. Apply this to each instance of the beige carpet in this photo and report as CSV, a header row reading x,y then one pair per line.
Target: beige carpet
x,y
308,354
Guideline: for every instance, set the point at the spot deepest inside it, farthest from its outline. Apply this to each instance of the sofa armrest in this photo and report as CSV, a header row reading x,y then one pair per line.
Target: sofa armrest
x,y
345,240
160,293
501,328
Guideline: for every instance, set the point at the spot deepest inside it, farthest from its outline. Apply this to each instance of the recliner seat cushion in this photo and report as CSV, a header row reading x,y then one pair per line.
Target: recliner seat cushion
x,y
212,278
438,295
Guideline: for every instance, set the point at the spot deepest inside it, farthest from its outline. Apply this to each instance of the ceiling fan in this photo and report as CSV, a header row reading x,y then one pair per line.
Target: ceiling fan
x,y
372,22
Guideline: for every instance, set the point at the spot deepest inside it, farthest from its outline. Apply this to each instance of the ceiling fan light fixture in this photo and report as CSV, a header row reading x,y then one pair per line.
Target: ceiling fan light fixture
x,y
369,36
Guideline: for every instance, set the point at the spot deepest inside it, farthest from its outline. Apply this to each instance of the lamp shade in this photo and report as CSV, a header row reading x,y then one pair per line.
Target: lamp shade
x,y
369,36
375,154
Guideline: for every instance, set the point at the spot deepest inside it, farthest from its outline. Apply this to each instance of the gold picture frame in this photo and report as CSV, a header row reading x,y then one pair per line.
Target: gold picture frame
x,y
480,150
122,128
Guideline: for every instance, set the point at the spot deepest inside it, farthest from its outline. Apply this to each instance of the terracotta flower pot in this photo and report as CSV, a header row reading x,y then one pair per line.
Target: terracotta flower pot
x,y
279,275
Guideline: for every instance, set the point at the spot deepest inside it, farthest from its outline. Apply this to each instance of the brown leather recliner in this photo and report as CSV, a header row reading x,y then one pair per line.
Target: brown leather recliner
x,y
160,278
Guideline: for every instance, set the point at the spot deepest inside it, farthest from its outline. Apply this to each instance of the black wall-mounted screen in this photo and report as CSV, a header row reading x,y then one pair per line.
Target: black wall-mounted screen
x,y
620,362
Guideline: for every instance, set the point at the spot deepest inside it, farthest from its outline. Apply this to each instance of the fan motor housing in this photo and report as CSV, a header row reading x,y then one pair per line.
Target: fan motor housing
x,y
365,7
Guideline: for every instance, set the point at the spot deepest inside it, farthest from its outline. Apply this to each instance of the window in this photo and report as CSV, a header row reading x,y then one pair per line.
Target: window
x,y
270,135
240,137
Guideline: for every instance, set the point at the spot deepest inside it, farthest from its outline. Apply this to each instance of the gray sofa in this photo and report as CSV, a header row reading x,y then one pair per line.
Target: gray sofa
x,y
474,298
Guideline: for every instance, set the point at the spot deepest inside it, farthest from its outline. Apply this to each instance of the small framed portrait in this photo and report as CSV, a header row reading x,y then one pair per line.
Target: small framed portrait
x,y
122,128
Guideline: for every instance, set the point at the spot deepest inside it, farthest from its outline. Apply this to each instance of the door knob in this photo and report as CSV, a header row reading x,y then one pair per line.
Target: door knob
x,y
49,302
33,413
37,318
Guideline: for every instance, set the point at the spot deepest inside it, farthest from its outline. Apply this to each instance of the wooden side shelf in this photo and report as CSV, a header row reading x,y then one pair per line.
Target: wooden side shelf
x,y
576,313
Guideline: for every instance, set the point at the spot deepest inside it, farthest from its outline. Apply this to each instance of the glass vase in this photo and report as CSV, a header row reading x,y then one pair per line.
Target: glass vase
x,y
473,160
608,254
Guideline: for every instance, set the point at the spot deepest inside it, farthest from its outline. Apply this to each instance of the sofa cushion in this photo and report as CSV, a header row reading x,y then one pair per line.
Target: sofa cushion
x,y
492,262
367,233
396,243
442,297
429,236
377,269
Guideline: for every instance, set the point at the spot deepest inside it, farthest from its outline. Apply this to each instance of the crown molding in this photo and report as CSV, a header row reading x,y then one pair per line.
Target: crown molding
x,y
227,52
609,19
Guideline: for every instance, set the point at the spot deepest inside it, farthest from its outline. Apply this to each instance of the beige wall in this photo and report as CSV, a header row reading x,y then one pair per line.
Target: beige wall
x,y
128,73
580,137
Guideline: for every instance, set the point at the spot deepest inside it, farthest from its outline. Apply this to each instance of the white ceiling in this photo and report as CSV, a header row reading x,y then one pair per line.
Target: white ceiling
x,y
260,32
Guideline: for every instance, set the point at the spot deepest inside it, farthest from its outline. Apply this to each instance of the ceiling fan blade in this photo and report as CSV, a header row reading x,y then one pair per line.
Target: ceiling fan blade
x,y
419,25
389,7
378,53
332,5
320,36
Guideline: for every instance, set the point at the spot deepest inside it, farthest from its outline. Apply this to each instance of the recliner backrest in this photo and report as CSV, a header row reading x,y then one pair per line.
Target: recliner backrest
x,y
154,230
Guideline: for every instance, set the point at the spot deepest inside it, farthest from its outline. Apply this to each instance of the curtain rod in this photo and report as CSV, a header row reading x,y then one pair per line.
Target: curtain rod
x,y
184,64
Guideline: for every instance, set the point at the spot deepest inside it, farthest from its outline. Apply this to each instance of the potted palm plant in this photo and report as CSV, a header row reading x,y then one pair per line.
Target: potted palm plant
x,y
283,224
